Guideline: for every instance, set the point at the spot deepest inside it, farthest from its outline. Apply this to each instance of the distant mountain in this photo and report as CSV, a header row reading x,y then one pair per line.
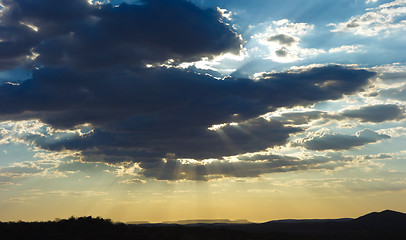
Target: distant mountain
x,y
387,220
208,221
381,217
310,220
378,225
385,225
138,222
384,217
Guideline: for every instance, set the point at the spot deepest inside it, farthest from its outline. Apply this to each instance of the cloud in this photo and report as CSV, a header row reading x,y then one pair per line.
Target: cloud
x,y
378,156
375,113
282,39
387,183
26,23
326,140
37,168
87,36
300,118
347,49
384,19
92,96
371,1
245,166
155,142
20,170
370,113
394,93
152,112
376,184
392,81
394,132
282,52
393,74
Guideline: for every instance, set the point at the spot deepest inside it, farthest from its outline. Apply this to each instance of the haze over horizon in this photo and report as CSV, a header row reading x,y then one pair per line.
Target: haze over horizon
x,y
162,110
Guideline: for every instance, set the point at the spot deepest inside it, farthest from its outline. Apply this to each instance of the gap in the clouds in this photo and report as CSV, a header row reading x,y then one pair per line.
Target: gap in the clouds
x,y
11,153
16,75
117,2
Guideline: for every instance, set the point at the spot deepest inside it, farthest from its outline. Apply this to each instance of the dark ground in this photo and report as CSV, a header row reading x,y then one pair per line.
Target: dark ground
x,y
388,225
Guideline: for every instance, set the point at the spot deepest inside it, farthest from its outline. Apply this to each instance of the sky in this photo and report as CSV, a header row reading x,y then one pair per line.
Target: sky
x,y
160,110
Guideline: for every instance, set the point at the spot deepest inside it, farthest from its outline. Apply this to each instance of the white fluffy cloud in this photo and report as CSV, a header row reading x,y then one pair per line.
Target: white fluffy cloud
x,y
382,20
371,1
282,38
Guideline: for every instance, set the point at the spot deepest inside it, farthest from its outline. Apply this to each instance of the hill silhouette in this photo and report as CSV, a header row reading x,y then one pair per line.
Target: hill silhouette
x,y
385,225
208,221
381,217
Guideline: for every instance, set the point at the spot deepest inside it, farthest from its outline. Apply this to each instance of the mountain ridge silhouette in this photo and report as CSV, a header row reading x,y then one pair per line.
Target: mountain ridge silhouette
x,y
385,225
386,215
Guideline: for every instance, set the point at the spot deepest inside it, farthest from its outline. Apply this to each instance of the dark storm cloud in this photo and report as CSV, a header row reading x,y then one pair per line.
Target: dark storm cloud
x,y
52,18
92,70
66,98
282,39
75,33
148,113
372,113
337,141
148,143
375,113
